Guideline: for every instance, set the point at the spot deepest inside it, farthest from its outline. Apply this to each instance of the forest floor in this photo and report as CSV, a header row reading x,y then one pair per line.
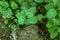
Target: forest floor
x,y
5,33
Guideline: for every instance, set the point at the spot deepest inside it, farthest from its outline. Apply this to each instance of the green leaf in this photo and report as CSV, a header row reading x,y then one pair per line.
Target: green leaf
x,y
49,6
38,1
18,14
8,13
52,29
14,5
59,15
54,34
30,12
51,13
6,21
20,1
32,20
21,18
56,21
5,4
1,10
25,6
13,26
39,17
49,24
56,2
58,29
48,1
1,3
16,21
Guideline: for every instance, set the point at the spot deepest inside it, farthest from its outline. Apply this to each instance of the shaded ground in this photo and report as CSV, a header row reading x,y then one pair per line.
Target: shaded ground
x,y
5,32
42,33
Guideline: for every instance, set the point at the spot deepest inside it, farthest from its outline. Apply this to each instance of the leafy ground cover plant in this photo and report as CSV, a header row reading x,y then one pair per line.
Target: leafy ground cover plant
x,y
17,13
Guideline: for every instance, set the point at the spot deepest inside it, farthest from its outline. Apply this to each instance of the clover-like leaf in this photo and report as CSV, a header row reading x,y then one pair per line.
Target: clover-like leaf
x,y
32,20
54,34
49,6
49,24
12,26
5,4
20,1
38,1
51,13
14,5
8,13
6,21
56,2
56,21
39,17
30,12
21,18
